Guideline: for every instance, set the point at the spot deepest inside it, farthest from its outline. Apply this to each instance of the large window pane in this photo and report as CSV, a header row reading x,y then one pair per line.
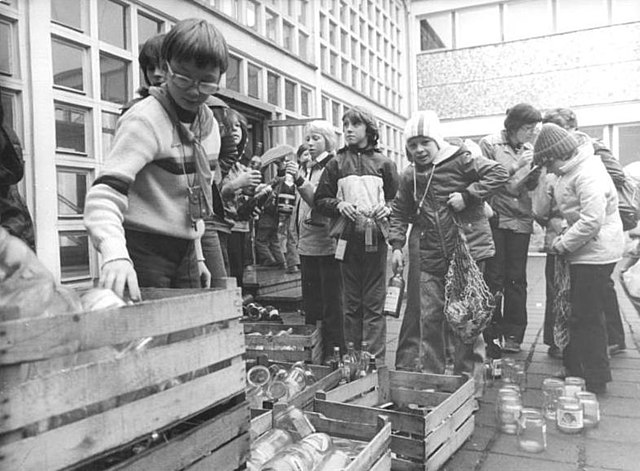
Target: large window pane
x,y
74,255
233,74
591,13
72,188
287,36
68,13
335,114
147,28
252,14
289,95
68,65
6,47
303,8
478,26
71,128
527,19
114,82
273,85
270,25
253,80
108,131
629,143
112,24
305,101
303,45
623,11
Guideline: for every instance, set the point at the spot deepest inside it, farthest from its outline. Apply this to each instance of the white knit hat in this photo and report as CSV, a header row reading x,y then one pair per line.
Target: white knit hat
x,y
424,123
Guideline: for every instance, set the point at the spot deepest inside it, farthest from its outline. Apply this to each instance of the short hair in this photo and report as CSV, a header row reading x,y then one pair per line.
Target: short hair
x,y
358,114
235,116
521,115
301,150
563,117
197,40
326,130
151,52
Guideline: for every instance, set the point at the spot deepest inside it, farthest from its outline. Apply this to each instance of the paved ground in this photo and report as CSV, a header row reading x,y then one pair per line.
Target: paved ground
x,y
613,445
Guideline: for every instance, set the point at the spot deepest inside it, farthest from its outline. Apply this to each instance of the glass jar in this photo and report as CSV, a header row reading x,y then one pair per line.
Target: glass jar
x,y
573,385
508,407
507,369
532,431
590,408
569,417
258,375
552,389
519,375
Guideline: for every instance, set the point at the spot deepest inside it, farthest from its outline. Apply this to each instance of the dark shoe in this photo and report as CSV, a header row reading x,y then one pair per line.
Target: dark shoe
x,y
493,350
555,352
615,349
511,345
597,388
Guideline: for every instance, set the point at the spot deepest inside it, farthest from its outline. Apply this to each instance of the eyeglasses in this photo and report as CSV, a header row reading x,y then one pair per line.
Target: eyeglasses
x,y
184,83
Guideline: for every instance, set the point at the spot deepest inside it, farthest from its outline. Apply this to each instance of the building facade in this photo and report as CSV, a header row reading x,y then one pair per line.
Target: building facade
x,y
67,66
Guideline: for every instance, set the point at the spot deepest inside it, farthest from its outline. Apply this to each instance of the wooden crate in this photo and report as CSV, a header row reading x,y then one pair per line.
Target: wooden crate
x,y
72,396
376,456
327,380
304,343
421,440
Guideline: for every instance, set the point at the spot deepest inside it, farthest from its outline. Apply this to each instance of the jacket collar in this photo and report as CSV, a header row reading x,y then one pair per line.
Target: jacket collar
x,y
585,151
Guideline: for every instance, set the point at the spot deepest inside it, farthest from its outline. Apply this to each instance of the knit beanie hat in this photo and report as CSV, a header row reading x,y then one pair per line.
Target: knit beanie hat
x,y
553,143
424,123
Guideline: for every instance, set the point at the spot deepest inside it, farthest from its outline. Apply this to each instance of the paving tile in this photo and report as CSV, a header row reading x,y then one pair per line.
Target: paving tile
x,y
619,407
499,462
621,430
618,456
480,438
463,460
560,447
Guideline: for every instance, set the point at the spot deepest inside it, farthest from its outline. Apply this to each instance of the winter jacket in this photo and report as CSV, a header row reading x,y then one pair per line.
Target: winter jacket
x,y
512,207
453,170
588,200
545,209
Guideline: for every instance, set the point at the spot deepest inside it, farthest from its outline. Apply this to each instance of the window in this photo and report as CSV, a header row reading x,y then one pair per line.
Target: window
x,y
527,19
333,64
289,95
629,143
345,72
6,48
596,132
69,13
303,11
8,106
290,8
252,14
253,81
323,26
112,25
305,101
623,11
291,137
233,74
479,25
74,255
325,108
335,114
354,49
436,32
72,188
273,85
114,79
344,42
147,28
271,25
333,34
68,65
592,13
72,125
354,77
303,45
323,58
108,131
287,36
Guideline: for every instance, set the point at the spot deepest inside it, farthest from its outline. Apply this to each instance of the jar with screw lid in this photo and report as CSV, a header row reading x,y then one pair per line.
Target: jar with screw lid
x,y
569,417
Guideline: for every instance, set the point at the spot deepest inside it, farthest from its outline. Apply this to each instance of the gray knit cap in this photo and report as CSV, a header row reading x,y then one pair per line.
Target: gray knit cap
x,y
553,143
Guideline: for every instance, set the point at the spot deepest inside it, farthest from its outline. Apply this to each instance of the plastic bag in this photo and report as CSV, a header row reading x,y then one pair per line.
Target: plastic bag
x,y
631,279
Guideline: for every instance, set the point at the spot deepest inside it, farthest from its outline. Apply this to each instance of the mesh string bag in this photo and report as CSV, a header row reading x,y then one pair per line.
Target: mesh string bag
x,y
561,304
468,303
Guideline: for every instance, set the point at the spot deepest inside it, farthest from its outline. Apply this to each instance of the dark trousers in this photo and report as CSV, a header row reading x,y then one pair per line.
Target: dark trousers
x,y
586,355
322,298
550,293
268,248
364,274
162,261
506,273
236,243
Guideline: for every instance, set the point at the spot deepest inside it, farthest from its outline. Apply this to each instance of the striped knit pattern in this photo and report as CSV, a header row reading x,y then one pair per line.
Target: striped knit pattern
x,y
424,123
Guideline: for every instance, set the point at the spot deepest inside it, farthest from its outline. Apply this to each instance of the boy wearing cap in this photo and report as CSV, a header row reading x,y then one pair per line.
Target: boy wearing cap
x,y
592,244
442,190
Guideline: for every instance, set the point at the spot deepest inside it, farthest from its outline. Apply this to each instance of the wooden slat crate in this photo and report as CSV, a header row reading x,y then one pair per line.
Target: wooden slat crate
x,y
421,439
304,343
327,380
376,456
72,396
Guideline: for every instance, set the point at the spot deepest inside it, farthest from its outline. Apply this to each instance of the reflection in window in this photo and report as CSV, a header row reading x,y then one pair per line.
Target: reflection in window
x,y
253,81
305,101
67,13
629,143
270,25
71,129
74,255
72,188
68,65
112,25
6,45
592,13
479,25
147,28
436,32
114,83
273,85
233,74
287,36
108,131
289,95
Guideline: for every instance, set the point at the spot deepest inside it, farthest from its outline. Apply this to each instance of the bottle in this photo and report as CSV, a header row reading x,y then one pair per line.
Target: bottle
x,y
258,200
286,196
363,368
350,361
395,293
372,364
267,446
294,421
336,361
304,455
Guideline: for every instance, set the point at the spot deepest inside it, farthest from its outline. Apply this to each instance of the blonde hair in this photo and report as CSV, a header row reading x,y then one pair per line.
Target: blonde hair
x,y
326,130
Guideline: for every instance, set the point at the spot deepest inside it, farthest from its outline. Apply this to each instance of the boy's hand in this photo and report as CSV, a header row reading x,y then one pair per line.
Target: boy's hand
x,y
456,201
348,210
292,168
248,179
205,274
118,275
397,261
380,211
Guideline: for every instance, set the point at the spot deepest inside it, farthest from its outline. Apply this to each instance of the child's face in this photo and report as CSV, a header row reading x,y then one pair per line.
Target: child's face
x,y
236,132
422,149
526,133
155,75
355,134
190,85
304,157
316,143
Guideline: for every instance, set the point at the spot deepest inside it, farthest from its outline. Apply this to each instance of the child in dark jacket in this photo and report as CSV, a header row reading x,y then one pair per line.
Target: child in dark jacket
x,y
356,186
440,193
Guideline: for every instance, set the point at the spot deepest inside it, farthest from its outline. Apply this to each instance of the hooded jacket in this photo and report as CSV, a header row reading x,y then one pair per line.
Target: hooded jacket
x,y
587,198
453,170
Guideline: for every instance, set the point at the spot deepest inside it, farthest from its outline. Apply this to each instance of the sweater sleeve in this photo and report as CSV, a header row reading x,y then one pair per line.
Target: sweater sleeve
x,y
134,146
391,180
325,199
490,177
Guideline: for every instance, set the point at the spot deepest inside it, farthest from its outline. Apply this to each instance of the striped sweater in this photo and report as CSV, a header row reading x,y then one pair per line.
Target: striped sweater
x,y
144,182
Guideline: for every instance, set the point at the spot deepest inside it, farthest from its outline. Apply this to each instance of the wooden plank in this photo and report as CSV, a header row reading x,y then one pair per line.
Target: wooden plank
x,y
80,440
347,392
41,338
230,457
374,450
441,456
408,379
280,355
261,424
403,396
383,464
92,383
448,407
181,451
346,428
305,397
448,429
